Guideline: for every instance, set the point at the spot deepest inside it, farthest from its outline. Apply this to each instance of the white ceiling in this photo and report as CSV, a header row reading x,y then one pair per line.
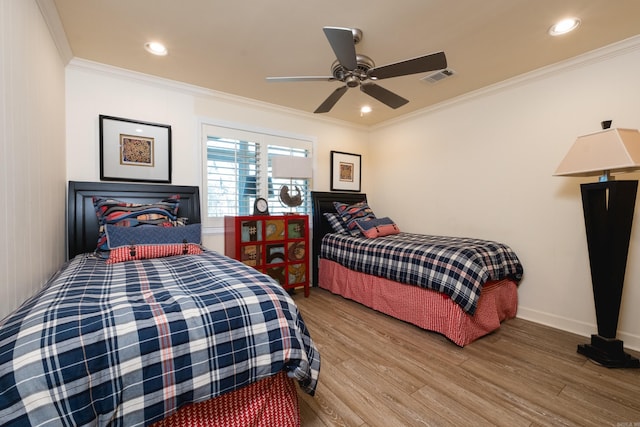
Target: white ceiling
x,y
231,46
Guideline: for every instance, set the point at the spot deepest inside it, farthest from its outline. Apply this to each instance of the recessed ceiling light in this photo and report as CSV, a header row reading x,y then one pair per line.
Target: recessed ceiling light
x,y
156,48
564,26
364,110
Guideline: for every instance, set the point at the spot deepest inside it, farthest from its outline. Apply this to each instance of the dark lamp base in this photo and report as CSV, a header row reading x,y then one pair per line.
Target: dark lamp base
x,y
608,352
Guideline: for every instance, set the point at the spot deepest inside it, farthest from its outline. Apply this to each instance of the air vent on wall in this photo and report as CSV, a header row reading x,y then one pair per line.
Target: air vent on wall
x,y
438,75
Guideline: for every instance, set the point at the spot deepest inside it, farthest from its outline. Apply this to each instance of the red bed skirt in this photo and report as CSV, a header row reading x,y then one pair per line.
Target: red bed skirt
x,y
272,401
422,307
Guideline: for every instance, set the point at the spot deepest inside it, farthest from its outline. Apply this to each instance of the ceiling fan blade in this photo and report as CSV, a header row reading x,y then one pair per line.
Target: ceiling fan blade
x,y
328,103
341,41
383,95
301,79
421,64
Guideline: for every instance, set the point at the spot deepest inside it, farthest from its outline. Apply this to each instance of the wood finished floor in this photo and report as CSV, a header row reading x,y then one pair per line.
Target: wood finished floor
x,y
379,371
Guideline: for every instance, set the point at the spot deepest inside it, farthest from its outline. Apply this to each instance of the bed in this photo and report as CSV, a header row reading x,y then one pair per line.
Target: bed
x,y
191,338
461,288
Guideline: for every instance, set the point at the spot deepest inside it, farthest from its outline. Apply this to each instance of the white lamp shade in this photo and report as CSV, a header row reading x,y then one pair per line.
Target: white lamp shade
x,y
607,150
291,167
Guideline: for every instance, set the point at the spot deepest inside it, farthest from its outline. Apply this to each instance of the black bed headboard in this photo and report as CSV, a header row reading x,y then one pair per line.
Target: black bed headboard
x,y
322,201
82,222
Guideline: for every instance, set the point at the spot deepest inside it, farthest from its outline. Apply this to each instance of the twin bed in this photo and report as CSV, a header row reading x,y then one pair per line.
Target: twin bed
x,y
461,288
189,339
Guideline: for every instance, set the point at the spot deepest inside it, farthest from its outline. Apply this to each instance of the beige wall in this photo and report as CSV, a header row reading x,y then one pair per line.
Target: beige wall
x,y
32,147
482,167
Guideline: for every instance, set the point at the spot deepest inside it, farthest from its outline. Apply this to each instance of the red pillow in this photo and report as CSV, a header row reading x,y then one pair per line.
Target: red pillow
x,y
134,252
377,227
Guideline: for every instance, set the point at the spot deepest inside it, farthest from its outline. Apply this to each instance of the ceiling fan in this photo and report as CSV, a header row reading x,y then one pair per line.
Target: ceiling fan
x,y
359,70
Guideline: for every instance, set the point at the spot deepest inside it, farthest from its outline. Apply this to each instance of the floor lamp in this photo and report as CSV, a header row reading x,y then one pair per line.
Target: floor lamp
x,y
608,207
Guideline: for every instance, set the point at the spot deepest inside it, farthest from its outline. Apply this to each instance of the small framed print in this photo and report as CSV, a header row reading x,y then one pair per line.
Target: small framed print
x,y
132,150
345,171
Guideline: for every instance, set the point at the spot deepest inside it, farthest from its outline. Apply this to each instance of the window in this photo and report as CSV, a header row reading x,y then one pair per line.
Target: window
x,y
237,170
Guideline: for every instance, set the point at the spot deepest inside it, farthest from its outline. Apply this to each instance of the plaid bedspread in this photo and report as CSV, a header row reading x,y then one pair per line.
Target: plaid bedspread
x,y
127,344
457,267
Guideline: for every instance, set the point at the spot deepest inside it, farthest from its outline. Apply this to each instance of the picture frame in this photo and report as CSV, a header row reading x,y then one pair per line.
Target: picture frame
x,y
134,150
346,171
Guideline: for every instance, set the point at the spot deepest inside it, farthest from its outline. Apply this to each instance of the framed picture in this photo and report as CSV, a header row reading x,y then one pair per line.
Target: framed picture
x,y
345,171
131,150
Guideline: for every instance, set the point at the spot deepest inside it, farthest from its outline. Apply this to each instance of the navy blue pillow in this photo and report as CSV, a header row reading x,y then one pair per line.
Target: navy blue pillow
x,y
151,235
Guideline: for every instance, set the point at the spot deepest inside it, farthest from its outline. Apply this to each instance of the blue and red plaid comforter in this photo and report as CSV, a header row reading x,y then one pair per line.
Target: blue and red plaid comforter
x,y
457,267
127,344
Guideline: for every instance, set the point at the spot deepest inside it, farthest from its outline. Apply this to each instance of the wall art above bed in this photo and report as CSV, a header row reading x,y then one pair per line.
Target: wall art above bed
x,y
132,150
346,171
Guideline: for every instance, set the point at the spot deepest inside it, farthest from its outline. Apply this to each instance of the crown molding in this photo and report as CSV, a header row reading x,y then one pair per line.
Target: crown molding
x,y
598,55
52,19
163,83
50,14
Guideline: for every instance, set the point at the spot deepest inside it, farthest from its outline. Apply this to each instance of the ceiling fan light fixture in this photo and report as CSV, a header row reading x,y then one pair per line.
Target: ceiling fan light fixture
x,y
156,48
352,81
564,26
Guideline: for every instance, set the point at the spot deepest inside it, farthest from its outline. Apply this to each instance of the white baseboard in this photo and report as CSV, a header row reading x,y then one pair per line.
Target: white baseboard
x,y
631,341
